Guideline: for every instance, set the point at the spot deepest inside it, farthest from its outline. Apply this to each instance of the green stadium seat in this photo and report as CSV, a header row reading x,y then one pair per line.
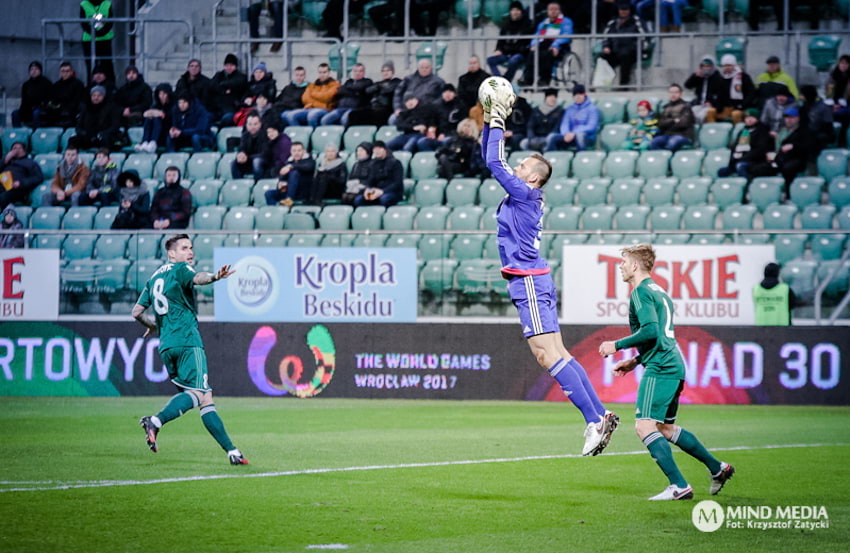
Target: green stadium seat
x,y
699,217
490,193
799,274
300,134
437,276
694,191
202,165
403,240
844,218
273,240
488,220
304,241
605,239
739,217
258,192
15,134
779,216
672,239
632,239
144,246
230,132
833,163
620,163
205,192
560,162
135,134
714,160
270,217
467,9
517,156
839,284
839,192
336,217
223,171
433,246
79,218
789,246
558,191
48,163
612,109
387,133
78,246
355,134
556,248
752,239
236,192
429,192
468,246
653,163
466,217
79,274
817,217
432,218
348,51
45,140
631,107
111,246
141,163
337,240
827,247
368,241
313,210
806,191
598,217
434,52
626,191
660,191
400,217
205,245
209,217
727,191
475,278
736,45
47,217
140,272
765,191
823,51
491,247
299,221
707,239
368,217
111,274
38,193
713,136
612,136
403,158
588,164
462,191
687,163
24,213
169,159
326,134
48,241
240,218
592,191
632,217
667,217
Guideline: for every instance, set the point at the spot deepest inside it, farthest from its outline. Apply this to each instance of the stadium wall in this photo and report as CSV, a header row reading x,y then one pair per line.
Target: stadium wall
x,y
726,365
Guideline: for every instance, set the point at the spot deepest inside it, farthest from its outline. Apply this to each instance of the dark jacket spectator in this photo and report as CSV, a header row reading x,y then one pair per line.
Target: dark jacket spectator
x,y
817,117
9,221
352,94
422,83
512,51
172,204
261,81
385,185
794,147
197,85
468,83
422,114
291,95
35,93
134,202
100,122
359,173
622,51
750,151
66,98
25,174
100,78
331,175
157,119
252,148
229,86
459,155
545,120
190,125
517,122
278,148
295,179
102,184
706,83
676,123
448,110
381,95
133,98
773,112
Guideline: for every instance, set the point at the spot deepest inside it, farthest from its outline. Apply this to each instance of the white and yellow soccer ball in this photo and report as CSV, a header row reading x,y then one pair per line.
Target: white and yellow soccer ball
x,y
496,89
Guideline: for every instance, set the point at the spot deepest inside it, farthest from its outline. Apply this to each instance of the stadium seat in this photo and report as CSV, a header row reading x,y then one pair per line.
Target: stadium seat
x,y
205,192
79,274
687,163
387,133
434,246
403,240
620,163
699,217
270,217
631,107
587,165
432,218
47,217
491,247
490,193
653,163
598,217
299,221
236,192
765,191
727,191
466,217
738,217
205,244
612,109
564,217
208,217
806,191
626,191
337,240
223,171
556,248
15,134
843,218
839,192
202,165
399,217
817,217
714,160
488,219
660,191
141,163
403,158
713,136
169,159
475,278
368,217
560,162
336,217
462,191
355,134
144,246
799,274
274,240
605,239
324,135
434,51
24,213
304,241
111,274
672,239
258,192
612,136
48,241
789,246
632,217
666,217
437,276
48,163
838,274
78,246
429,192
632,239
827,246
517,156
79,218
592,191
45,140
230,132
367,241
707,239
694,191
313,210
779,216
468,246
558,191
751,239
111,246
240,218
140,271
833,163
300,134
135,134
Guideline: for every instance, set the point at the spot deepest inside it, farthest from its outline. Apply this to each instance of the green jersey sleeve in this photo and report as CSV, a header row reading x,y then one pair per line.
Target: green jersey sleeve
x,y
185,275
144,298
643,304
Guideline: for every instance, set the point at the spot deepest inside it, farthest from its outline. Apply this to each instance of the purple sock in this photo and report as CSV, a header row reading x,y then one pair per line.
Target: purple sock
x,y
588,387
571,383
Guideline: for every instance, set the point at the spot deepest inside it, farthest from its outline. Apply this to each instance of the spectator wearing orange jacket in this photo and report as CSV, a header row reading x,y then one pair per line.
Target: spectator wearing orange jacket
x,y
318,100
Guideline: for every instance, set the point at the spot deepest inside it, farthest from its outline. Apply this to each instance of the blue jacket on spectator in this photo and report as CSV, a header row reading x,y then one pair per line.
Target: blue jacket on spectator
x,y
546,30
581,118
195,120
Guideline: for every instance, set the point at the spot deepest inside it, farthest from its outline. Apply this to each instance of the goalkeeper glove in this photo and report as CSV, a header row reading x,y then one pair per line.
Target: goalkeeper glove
x,y
498,115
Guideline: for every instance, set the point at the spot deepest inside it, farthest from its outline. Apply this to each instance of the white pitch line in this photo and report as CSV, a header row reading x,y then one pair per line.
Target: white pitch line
x,y
113,483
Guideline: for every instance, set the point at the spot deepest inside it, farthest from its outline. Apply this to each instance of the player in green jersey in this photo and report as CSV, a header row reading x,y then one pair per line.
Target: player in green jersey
x,y
170,290
651,323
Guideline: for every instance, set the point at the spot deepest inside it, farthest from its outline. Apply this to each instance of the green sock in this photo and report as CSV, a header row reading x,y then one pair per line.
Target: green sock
x,y
214,425
691,445
176,406
663,455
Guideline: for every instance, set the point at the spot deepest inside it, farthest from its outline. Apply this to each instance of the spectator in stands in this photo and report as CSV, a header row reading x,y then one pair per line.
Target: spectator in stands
x,y
517,123
512,51
546,51
295,179
229,86
446,113
734,95
35,93
468,83
816,116
19,175
197,85
385,184
416,122
133,98
459,155
100,122
190,125
579,124
794,143
318,99
250,158
96,11
676,123
773,112
670,19
99,78
644,128
434,9
388,17
334,14
261,81
291,98
331,175
359,174
380,94
278,148
157,119
350,96
275,10
706,83
69,181
545,120
622,52
102,184
838,90
9,221
134,202
172,204
66,98
423,84
749,157
263,107
767,82
753,16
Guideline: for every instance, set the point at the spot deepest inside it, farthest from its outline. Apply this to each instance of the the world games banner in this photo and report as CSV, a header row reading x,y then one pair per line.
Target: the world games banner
x,y
735,365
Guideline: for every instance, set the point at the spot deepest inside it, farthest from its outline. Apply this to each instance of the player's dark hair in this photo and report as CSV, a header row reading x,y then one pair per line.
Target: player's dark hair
x,y
675,85
299,68
171,243
544,168
296,143
643,253
323,64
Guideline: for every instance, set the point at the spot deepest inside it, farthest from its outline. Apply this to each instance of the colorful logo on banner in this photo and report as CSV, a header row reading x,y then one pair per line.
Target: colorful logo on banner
x,y
291,367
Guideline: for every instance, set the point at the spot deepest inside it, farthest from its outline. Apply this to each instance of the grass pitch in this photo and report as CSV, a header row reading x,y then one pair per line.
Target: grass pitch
x,y
402,476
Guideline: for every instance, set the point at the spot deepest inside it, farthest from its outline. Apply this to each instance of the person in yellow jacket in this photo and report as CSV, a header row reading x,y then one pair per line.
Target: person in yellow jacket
x,y
319,98
773,299
95,12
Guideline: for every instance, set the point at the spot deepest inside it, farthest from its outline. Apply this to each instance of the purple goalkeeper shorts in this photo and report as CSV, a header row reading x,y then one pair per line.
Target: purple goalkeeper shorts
x,y
536,300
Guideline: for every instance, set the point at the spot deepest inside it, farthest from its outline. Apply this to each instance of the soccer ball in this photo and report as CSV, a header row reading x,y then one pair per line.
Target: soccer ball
x,y
496,89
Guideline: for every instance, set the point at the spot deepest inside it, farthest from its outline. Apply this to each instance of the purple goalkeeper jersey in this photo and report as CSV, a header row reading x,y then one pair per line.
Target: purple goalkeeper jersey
x,y
520,213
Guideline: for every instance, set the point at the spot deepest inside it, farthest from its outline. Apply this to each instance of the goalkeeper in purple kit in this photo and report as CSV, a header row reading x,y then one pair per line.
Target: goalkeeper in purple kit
x,y
530,285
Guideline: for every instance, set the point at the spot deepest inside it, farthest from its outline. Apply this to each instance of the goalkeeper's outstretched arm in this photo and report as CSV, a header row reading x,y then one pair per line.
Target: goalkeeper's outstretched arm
x,y
494,144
